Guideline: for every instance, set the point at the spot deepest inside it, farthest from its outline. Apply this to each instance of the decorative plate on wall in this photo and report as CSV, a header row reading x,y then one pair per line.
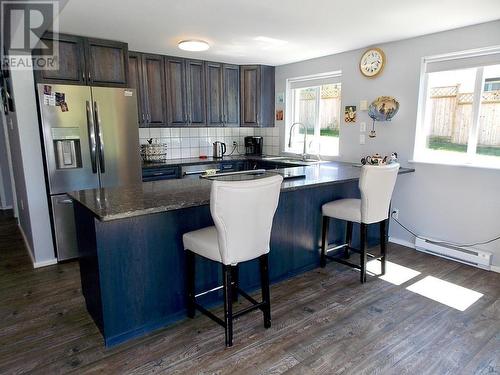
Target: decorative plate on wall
x,y
372,62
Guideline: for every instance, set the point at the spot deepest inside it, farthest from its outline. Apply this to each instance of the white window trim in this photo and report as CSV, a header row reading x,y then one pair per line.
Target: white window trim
x,y
470,159
290,115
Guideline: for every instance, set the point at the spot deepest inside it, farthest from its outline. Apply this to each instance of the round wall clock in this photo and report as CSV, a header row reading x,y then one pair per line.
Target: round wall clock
x,y
372,62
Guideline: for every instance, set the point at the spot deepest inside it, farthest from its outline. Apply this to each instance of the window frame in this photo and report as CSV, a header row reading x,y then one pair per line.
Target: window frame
x,y
470,158
317,80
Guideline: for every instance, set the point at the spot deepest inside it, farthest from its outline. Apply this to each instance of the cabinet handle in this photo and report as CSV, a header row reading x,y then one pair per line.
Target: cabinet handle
x,y
89,76
83,76
149,117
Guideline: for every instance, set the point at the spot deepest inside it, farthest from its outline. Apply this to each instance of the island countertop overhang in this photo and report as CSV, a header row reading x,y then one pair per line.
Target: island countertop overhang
x,y
117,203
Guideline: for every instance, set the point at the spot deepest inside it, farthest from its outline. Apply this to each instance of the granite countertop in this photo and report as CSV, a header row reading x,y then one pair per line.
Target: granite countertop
x,y
167,195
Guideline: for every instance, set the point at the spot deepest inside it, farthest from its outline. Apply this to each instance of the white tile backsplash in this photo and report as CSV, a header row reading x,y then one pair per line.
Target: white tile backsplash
x,y
193,142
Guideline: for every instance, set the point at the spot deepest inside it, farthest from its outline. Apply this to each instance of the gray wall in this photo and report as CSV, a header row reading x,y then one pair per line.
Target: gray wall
x,y
453,203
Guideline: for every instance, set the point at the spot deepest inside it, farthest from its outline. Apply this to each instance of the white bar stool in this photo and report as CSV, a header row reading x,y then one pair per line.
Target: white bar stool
x,y
376,184
243,213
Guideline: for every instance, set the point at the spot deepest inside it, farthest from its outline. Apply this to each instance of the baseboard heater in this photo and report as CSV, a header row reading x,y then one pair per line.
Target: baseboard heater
x,y
474,257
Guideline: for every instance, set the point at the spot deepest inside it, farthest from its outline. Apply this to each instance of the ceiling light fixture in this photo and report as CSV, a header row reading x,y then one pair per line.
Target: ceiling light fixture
x,y
193,45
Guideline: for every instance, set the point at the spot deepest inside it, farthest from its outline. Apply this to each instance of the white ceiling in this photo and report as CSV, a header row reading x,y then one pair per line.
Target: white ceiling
x,y
267,31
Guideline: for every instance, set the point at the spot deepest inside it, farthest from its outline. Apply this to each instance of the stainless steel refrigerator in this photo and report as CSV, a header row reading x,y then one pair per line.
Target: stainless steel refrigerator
x,y
91,141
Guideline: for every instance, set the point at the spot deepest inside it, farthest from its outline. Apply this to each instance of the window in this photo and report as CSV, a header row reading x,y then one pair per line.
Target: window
x,y
460,111
315,103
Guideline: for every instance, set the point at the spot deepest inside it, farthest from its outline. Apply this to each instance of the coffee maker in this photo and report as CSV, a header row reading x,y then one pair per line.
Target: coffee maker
x,y
254,145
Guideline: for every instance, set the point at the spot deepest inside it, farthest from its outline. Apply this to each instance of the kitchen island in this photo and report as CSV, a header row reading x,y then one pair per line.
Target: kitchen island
x,y
131,254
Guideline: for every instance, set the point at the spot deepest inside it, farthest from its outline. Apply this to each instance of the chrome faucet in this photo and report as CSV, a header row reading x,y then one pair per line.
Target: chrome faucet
x,y
304,154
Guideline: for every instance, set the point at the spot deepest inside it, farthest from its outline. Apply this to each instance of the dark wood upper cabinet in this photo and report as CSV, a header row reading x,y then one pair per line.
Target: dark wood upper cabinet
x,y
71,61
257,95
107,63
175,75
87,61
154,90
231,94
223,94
136,82
214,73
195,80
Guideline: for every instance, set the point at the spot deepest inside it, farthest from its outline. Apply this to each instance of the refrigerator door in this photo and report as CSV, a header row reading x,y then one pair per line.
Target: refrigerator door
x,y
68,132
64,227
118,157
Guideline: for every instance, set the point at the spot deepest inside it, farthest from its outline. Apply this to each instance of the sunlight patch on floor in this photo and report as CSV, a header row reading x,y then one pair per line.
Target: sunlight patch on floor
x,y
394,273
447,293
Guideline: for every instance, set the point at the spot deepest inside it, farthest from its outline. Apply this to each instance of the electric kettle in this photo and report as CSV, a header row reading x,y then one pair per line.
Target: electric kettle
x,y
219,149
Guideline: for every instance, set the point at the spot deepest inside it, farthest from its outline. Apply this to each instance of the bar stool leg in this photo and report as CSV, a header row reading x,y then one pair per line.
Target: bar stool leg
x,y
264,280
190,270
348,239
324,232
383,244
363,252
228,304
235,279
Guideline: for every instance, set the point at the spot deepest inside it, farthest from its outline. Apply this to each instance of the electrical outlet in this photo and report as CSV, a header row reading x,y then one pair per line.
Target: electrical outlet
x,y
395,213
362,127
235,143
362,139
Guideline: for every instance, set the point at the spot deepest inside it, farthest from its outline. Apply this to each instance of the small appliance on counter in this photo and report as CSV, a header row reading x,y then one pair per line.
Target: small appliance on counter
x,y
219,149
254,145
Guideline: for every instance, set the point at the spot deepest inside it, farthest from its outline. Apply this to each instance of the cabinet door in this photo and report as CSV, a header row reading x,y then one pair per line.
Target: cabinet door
x,y
231,95
195,78
154,87
214,94
249,100
136,82
71,61
267,96
107,63
175,75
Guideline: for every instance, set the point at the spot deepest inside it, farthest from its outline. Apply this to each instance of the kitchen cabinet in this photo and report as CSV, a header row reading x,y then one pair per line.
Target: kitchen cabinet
x,y
185,88
175,75
106,62
160,173
195,80
136,82
146,75
223,94
153,77
257,95
214,94
71,61
87,61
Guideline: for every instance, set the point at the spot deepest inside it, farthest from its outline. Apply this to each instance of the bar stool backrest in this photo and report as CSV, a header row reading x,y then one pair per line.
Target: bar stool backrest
x,y
376,185
243,214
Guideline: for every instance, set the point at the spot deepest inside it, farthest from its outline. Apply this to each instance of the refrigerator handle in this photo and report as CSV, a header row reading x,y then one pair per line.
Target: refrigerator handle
x,y
99,137
92,139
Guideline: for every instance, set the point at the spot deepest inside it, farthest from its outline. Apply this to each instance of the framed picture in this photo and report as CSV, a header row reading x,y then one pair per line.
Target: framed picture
x,y
280,98
279,115
350,113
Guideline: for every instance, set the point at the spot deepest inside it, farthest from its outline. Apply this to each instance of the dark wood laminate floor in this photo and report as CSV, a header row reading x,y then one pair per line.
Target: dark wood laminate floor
x,y
323,322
